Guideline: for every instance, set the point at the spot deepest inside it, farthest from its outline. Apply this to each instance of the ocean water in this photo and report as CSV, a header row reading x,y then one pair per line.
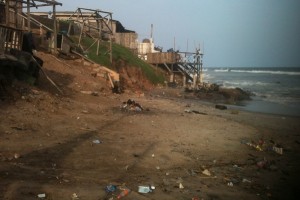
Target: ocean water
x,y
276,90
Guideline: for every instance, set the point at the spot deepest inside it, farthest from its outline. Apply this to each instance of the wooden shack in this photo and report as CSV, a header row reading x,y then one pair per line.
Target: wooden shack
x,y
162,57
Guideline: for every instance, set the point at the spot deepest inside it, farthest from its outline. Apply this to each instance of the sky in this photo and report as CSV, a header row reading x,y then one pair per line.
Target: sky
x,y
231,33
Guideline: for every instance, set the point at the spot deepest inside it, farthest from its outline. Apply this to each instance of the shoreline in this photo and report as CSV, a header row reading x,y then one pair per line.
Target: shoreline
x,y
244,105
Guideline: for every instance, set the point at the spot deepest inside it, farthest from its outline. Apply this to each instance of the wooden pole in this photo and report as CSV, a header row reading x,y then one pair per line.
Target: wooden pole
x,y
7,13
110,38
80,36
16,14
99,26
110,49
54,29
70,26
98,44
28,16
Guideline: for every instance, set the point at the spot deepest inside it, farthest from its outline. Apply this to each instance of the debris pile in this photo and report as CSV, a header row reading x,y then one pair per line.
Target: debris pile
x,y
131,105
262,145
116,192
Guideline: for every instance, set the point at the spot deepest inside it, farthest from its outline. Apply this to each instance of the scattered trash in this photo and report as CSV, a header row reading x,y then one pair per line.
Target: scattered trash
x,y
261,145
126,167
278,150
16,156
97,141
194,111
124,193
246,180
90,93
230,184
262,164
74,196
41,195
85,112
157,167
153,155
131,105
110,188
181,186
144,189
152,187
237,167
221,107
206,172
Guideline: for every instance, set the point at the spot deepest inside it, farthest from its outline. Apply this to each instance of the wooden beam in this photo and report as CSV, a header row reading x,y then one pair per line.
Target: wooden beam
x,y
7,13
54,28
96,10
28,16
49,2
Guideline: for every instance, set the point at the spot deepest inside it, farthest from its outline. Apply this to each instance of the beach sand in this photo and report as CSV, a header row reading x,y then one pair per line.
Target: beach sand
x,y
72,146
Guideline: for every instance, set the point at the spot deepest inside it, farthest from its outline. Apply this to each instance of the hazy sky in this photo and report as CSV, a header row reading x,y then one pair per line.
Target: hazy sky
x,y
234,32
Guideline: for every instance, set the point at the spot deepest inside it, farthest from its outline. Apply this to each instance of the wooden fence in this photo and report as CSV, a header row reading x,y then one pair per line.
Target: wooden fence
x,y
164,57
10,38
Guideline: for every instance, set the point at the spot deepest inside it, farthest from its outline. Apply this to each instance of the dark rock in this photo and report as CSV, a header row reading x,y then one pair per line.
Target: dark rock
x,y
221,107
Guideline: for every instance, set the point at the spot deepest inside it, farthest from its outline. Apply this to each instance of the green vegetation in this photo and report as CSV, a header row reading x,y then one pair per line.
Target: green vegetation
x,y
120,53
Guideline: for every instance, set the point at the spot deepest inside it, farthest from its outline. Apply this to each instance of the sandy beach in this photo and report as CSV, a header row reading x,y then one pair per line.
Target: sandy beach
x,y
72,146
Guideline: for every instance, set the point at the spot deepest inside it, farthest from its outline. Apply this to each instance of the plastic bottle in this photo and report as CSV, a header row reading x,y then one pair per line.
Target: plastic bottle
x,y
144,189
124,193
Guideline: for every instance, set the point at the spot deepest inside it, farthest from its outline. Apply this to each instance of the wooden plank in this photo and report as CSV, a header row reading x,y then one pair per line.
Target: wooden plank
x,y
160,58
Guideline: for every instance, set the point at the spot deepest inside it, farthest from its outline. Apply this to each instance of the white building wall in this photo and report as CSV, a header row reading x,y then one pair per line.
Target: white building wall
x,y
146,47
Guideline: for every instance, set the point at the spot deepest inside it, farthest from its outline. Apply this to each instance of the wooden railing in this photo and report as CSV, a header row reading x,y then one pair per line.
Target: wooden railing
x,y
34,21
10,38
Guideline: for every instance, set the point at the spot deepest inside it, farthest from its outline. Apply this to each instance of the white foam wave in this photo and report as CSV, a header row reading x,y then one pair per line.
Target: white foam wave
x,y
267,72
221,70
245,83
228,86
208,76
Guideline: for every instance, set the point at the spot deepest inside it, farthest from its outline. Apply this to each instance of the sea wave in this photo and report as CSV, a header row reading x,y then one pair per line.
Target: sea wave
x,y
245,83
221,70
292,73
